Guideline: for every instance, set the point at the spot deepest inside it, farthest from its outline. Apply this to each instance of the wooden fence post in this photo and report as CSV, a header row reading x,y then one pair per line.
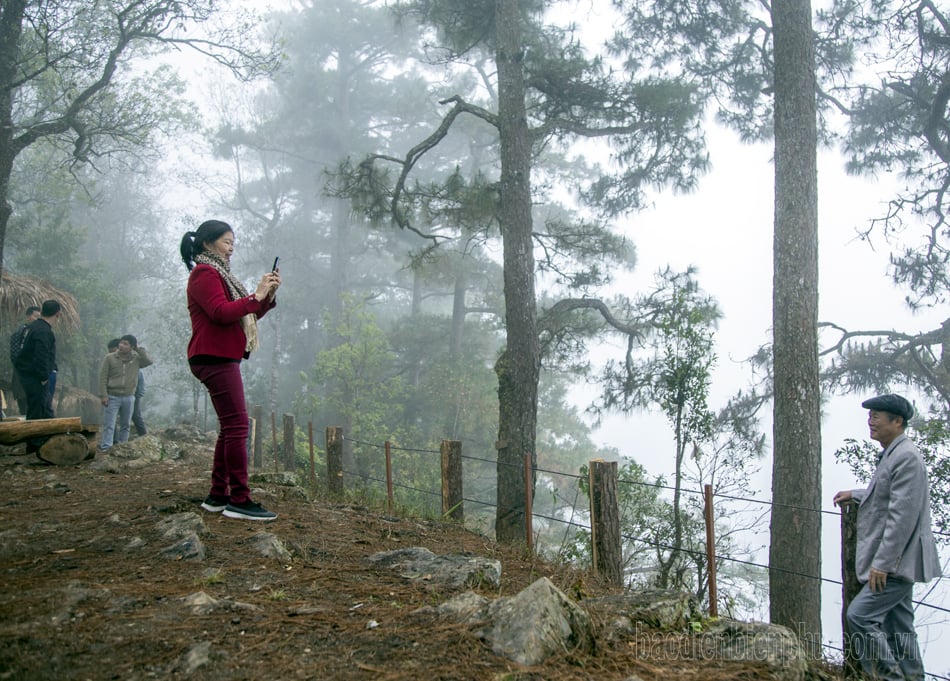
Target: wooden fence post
x,y
711,551
273,432
289,448
313,465
389,476
850,586
452,479
257,422
528,501
335,460
605,521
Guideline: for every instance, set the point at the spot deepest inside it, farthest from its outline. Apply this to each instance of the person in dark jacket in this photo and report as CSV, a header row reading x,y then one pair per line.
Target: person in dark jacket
x,y
223,332
16,344
36,363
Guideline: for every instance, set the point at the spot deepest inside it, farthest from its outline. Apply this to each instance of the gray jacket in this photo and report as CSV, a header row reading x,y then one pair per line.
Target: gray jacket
x,y
894,534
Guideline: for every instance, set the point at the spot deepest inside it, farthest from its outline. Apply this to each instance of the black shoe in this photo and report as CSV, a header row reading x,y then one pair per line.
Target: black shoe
x,y
214,504
249,510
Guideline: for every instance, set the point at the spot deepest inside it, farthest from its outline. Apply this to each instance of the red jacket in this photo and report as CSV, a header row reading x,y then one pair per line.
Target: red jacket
x,y
215,318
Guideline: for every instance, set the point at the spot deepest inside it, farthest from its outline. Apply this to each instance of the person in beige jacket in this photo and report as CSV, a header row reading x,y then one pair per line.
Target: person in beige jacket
x,y
118,379
895,549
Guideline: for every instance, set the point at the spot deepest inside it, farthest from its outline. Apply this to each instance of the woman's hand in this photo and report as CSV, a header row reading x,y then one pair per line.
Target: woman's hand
x,y
276,282
267,288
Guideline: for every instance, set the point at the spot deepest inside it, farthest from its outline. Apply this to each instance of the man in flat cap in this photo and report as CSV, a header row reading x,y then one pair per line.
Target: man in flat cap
x,y
895,547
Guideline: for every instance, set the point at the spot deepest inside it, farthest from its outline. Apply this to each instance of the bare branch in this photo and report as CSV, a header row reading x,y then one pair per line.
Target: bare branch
x,y
426,145
909,341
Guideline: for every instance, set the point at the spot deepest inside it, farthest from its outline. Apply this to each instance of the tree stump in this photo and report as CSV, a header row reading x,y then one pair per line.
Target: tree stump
x,y
64,450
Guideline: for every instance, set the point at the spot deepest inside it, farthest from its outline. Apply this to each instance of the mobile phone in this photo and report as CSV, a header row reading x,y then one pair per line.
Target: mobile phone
x,y
276,262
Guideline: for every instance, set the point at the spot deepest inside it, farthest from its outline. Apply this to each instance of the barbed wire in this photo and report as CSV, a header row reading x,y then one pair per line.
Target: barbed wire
x,y
686,490
392,447
643,540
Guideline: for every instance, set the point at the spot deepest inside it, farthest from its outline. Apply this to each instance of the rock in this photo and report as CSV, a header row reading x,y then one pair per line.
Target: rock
x,y
269,546
281,478
119,605
466,608
73,595
304,610
140,452
188,434
539,621
452,571
197,656
189,548
135,543
182,525
201,603
655,608
212,575
772,644
526,628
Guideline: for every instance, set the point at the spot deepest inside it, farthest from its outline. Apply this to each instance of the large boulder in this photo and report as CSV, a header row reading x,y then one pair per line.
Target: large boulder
x,y
536,623
528,627
452,571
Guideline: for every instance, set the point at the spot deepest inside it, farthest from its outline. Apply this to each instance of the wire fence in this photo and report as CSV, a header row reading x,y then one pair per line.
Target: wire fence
x,y
643,540
571,509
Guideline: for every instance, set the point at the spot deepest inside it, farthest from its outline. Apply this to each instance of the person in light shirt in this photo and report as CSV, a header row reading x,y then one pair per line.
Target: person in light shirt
x,y
895,547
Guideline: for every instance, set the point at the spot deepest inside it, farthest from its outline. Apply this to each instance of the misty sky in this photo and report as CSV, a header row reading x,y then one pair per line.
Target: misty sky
x,y
726,230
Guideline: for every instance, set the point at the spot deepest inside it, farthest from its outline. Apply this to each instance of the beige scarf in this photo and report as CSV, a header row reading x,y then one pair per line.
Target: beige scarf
x,y
237,291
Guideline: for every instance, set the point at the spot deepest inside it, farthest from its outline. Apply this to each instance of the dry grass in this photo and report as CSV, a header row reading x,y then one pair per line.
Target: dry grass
x,y
18,292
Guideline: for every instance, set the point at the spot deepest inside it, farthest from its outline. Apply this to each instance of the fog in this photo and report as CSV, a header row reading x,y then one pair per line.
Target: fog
x,y
392,332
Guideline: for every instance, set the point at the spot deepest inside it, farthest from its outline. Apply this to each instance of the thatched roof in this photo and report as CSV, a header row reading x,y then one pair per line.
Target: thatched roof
x,y
20,292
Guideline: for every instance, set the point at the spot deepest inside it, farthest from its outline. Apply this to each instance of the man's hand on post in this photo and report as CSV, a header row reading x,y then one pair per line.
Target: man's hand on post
x,y
842,496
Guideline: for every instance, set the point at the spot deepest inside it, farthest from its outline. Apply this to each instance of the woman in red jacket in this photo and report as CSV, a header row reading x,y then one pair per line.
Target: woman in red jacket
x,y
223,332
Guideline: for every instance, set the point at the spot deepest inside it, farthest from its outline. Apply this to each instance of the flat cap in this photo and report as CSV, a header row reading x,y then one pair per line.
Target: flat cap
x,y
892,403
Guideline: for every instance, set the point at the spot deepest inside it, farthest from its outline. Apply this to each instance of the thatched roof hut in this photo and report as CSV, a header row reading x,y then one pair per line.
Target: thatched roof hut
x,y
20,292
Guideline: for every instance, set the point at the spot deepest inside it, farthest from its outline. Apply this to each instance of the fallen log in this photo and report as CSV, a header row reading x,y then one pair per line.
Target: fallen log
x,y
65,449
15,432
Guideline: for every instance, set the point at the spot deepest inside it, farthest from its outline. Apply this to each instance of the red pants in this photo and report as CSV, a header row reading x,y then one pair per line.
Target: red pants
x,y
229,472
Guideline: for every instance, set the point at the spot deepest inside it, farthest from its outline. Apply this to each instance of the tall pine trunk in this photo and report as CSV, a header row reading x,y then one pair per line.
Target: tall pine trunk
x,y
518,367
795,541
11,19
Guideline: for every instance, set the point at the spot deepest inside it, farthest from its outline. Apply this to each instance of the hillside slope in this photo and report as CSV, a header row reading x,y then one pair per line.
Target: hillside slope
x,y
90,590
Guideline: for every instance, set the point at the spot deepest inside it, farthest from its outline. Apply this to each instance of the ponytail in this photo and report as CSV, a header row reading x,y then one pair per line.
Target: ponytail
x,y
187,249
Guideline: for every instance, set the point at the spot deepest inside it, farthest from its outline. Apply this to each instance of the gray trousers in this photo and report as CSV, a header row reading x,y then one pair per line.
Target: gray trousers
x,y
882,632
